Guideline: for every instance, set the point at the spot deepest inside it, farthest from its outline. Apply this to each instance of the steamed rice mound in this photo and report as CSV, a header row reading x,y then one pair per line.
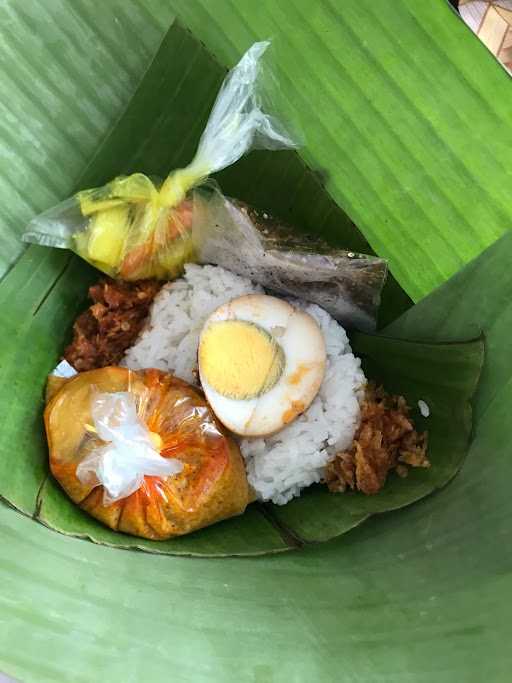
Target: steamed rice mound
x,y
278,466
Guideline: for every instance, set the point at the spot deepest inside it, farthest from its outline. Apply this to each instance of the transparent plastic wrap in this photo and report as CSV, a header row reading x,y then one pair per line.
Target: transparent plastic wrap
x,y
142,452
128,452
251,243
135,228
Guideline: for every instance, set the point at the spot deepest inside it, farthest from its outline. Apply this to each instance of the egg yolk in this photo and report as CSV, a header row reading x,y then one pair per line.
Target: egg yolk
x,y
240,359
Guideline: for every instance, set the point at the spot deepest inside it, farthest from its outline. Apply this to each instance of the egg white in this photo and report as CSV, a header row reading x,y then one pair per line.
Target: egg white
x,y
305,357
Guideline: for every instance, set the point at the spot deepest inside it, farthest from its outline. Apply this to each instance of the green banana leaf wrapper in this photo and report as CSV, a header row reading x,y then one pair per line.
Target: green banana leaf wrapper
x,y
211,228
410,137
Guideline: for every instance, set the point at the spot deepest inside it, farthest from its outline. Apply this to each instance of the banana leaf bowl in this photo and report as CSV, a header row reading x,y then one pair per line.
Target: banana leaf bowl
x,y
407,154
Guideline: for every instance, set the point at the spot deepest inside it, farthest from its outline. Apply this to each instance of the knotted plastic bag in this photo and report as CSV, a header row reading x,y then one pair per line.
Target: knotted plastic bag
x,y
135,228
142,452
129,452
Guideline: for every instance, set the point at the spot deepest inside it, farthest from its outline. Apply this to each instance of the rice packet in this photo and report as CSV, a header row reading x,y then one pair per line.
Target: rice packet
x,y
135,227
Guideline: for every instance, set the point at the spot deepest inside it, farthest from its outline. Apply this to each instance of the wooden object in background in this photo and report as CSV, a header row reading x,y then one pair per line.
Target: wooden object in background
x,y
492,23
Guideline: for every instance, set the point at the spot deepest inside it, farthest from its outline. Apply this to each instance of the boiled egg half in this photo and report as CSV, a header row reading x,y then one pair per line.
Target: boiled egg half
x,y
261,363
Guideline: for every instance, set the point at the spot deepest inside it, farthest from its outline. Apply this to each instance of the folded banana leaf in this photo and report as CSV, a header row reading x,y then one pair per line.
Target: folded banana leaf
x,y
406,115
425,588
405,368
443,375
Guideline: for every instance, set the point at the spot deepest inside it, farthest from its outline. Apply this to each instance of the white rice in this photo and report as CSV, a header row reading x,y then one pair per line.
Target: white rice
x,y
278,466
178,313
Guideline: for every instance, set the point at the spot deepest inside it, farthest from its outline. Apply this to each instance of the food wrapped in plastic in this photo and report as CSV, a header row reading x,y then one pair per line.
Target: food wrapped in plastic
x,y
255,245
134,227
142,452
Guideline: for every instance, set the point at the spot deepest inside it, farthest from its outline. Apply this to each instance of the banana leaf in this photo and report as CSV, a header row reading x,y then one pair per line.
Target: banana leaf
x,y
65,76
408,117
46,302
35,304
443,375
405,112
414,595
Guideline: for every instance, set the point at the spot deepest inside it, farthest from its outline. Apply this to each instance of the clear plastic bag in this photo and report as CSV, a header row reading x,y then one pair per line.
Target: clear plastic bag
x,y
134,228
129,453
142,452
253,244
